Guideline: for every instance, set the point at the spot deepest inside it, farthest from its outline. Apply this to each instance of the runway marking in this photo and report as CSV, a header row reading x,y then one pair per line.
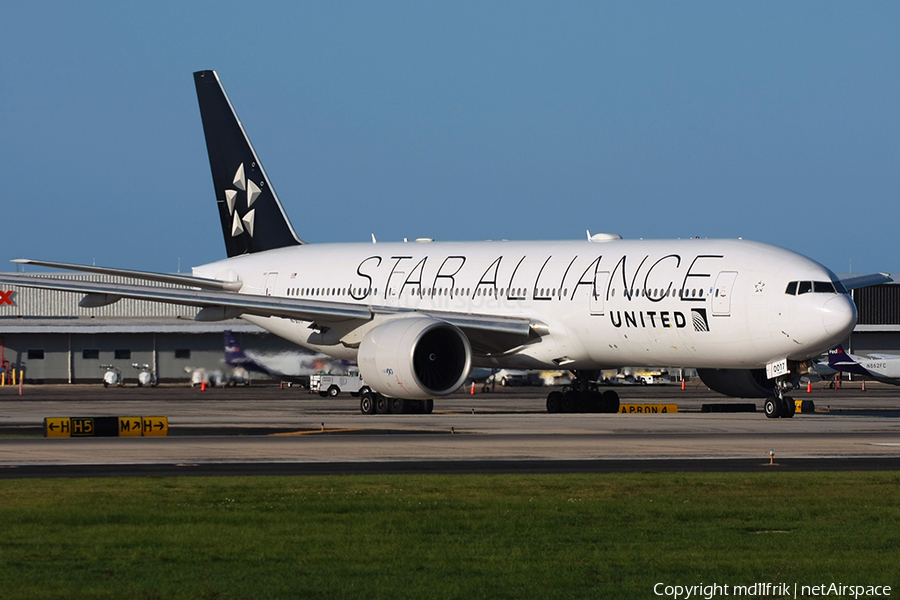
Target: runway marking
x,y
884,444
313,431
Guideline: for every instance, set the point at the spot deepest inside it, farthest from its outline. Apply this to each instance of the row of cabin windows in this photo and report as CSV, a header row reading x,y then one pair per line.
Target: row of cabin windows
x,y
515,292
795,288
94,354
311,292
662,293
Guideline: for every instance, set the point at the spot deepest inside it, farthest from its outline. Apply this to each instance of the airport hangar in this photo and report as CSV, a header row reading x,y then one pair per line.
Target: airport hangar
x,y
50,338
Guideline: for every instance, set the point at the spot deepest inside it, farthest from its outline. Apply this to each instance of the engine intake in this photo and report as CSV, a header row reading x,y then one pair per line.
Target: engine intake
x,y
415,358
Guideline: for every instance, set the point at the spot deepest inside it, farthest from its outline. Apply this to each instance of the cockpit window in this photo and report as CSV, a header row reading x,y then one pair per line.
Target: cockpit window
x,y
795,288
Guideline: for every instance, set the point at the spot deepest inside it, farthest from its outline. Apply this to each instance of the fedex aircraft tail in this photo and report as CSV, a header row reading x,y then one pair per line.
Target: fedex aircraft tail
x,y
234,355
840,360
252,217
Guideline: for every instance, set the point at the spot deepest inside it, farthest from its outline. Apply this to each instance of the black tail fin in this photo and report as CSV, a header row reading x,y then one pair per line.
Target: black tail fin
x,y
252,217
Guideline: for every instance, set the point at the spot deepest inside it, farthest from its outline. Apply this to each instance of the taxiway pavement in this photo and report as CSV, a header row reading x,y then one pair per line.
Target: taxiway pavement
x,y
260,426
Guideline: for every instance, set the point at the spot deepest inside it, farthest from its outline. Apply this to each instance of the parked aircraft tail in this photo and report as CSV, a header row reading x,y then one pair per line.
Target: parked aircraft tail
x,y
840,360
234,355
252,217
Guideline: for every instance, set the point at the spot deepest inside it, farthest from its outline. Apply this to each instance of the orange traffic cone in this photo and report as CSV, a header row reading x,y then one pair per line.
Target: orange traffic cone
x,y
202,386
809,387
473,389
682,384
864,385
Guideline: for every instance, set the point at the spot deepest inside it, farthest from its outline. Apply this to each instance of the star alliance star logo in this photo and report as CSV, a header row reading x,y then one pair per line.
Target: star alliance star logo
x,y
242,223
760,286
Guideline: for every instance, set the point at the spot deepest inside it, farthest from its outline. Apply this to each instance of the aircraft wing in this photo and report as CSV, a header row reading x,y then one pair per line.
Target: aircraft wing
x,y
178,279
852,283
488,332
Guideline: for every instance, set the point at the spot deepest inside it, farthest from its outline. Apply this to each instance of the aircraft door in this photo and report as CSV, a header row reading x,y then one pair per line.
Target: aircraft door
x,y
270,283
722,293
598,293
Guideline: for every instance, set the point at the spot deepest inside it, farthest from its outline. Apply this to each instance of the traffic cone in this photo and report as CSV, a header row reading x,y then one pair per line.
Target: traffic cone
x,y
202,386
809,387
682,384
473,388
864,385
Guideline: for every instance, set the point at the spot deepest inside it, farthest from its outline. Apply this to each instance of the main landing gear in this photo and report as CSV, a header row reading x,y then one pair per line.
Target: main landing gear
x,y
373,403
583,397
780,405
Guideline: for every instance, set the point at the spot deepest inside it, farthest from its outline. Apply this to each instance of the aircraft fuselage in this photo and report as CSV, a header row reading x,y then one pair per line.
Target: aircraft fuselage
x,y
691,303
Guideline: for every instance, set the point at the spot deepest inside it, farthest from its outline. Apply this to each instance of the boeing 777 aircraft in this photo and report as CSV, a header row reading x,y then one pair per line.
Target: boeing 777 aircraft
x,y
418,316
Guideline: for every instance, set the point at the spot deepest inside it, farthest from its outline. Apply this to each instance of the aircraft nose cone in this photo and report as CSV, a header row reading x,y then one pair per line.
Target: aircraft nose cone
x,y
839,316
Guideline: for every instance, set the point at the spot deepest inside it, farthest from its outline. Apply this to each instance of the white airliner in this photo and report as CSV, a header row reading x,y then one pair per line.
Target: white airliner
x,y
418,316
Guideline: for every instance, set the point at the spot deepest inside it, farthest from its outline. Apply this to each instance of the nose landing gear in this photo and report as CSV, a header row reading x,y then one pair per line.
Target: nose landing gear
x,y
780,405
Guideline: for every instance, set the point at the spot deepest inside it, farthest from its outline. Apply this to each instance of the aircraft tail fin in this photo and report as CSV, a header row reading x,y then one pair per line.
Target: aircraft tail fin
x,y
234,355
840,360
253,219
836,355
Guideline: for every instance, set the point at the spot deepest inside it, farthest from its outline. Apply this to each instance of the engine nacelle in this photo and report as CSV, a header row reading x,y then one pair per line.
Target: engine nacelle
x,y
738,383
415,358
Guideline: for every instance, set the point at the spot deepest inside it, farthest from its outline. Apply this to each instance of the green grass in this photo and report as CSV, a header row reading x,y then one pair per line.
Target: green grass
x,y
515,536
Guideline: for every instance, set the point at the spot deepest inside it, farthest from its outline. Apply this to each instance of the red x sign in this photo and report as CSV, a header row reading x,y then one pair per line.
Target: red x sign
x,y
6,297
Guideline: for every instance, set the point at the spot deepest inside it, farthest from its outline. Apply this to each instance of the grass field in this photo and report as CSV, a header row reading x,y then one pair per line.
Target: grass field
x,y
435,536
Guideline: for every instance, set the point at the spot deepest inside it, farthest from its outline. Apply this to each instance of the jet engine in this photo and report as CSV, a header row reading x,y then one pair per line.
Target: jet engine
x,y
415,358
738,383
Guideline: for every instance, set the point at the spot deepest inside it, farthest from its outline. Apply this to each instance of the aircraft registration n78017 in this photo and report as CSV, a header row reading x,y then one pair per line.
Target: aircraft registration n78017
x,y
418,316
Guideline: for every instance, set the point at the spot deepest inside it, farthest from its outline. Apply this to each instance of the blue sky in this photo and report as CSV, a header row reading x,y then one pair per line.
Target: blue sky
x,y
459,121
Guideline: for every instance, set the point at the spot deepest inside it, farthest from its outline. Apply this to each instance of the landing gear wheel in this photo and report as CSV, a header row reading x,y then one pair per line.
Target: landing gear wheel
x,y
428,406
367,403
398,406
570,402
610,402
554,402
382,405
772,407
788,408
590,402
